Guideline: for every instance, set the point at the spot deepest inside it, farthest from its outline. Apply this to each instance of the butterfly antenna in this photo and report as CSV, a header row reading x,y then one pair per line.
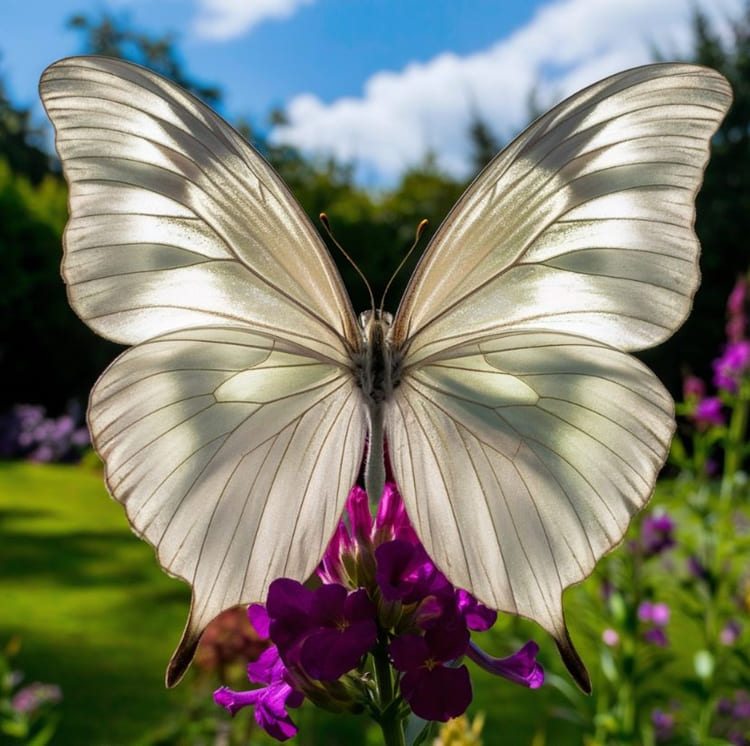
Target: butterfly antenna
x,y
418,236
327,226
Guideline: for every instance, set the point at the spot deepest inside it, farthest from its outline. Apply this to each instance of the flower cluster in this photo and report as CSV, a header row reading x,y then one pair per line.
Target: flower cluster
x,y
734,718
657,534
656,617
27,432
382,601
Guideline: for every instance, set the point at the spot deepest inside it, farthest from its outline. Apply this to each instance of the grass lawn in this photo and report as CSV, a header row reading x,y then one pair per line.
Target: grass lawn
x,y
94,612
97,616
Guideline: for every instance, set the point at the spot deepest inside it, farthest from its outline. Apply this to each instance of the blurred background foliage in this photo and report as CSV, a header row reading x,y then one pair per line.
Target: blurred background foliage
x,y
48,357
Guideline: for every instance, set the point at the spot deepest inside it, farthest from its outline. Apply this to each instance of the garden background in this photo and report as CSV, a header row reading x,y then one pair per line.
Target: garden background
x,y
663,623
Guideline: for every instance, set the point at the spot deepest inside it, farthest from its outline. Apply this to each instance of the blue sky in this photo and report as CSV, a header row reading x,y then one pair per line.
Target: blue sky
x,y
378,82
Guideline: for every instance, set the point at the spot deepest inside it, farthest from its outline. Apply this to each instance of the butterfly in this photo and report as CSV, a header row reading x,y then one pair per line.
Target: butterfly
x,y
522,434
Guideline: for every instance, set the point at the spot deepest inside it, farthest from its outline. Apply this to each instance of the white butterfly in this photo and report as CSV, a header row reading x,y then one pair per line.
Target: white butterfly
x,y
522,434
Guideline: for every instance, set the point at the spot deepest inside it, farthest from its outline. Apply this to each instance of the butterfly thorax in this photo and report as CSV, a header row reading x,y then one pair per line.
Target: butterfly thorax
x,y
376,366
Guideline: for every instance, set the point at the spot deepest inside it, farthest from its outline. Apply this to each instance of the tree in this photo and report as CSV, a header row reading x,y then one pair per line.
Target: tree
x,y
113,37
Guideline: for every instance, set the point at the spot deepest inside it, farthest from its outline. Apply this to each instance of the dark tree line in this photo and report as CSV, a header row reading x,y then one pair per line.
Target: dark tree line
x,y
47,355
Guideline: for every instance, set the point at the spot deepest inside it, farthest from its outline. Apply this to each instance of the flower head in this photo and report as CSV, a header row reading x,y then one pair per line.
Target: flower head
x,y
381,594
708,412
269,702
433,690
657,534
326,631
34,696
732,365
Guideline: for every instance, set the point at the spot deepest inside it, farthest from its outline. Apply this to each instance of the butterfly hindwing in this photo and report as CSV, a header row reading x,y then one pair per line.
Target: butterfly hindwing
x,y
233,454
522,459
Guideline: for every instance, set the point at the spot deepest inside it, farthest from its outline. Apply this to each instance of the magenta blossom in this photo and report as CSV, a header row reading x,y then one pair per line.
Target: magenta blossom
x,y
271,701
657,534
326,631
732,365
708,412
433,690
383,597
521,667
693,388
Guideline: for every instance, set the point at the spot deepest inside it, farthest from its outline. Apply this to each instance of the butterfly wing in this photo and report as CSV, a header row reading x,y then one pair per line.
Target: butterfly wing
x,y
176,222
233,453
523,436
232,431
522,460
583,224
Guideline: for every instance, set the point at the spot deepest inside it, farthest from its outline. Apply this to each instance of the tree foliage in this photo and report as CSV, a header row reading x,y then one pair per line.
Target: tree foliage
x,y
47,355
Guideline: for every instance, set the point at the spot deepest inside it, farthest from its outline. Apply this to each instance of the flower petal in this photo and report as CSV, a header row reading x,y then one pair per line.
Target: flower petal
x,y
478,616
235,701
408,652
258,617
438,694
268,668
521,667
360,518
328,654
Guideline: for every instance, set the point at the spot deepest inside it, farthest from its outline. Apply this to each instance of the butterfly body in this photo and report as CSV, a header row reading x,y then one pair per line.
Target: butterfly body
x,y
522,433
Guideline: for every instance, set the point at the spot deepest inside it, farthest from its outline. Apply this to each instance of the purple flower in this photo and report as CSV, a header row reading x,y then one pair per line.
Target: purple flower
x,y
708,412
610,637
406,573
325,631
656,613
358,510
663,723
270,702
731,365
391,521
656,534
693,388
735,327
730,633
736,299
29,699
520,668
656,636
433,690
476,615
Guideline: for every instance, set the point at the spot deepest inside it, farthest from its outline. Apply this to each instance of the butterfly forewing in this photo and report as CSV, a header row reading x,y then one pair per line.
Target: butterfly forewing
x,y
584,224
233,454
176,222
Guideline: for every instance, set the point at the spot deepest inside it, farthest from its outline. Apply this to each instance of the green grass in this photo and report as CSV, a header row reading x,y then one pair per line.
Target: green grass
x,y
96,615
91,607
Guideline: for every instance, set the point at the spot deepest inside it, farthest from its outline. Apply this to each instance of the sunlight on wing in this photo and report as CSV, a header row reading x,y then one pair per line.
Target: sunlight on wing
x,y
233,454
176,221
584,224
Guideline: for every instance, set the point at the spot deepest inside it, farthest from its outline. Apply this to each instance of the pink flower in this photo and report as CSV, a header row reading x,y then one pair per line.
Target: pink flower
x,y
693,388
708,412
733,364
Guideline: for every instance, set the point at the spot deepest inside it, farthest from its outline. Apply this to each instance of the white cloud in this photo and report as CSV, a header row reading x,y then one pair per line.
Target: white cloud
x,y
567,45
227,19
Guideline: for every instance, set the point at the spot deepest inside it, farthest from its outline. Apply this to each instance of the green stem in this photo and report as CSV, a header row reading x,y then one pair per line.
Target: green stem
x,y
390,721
